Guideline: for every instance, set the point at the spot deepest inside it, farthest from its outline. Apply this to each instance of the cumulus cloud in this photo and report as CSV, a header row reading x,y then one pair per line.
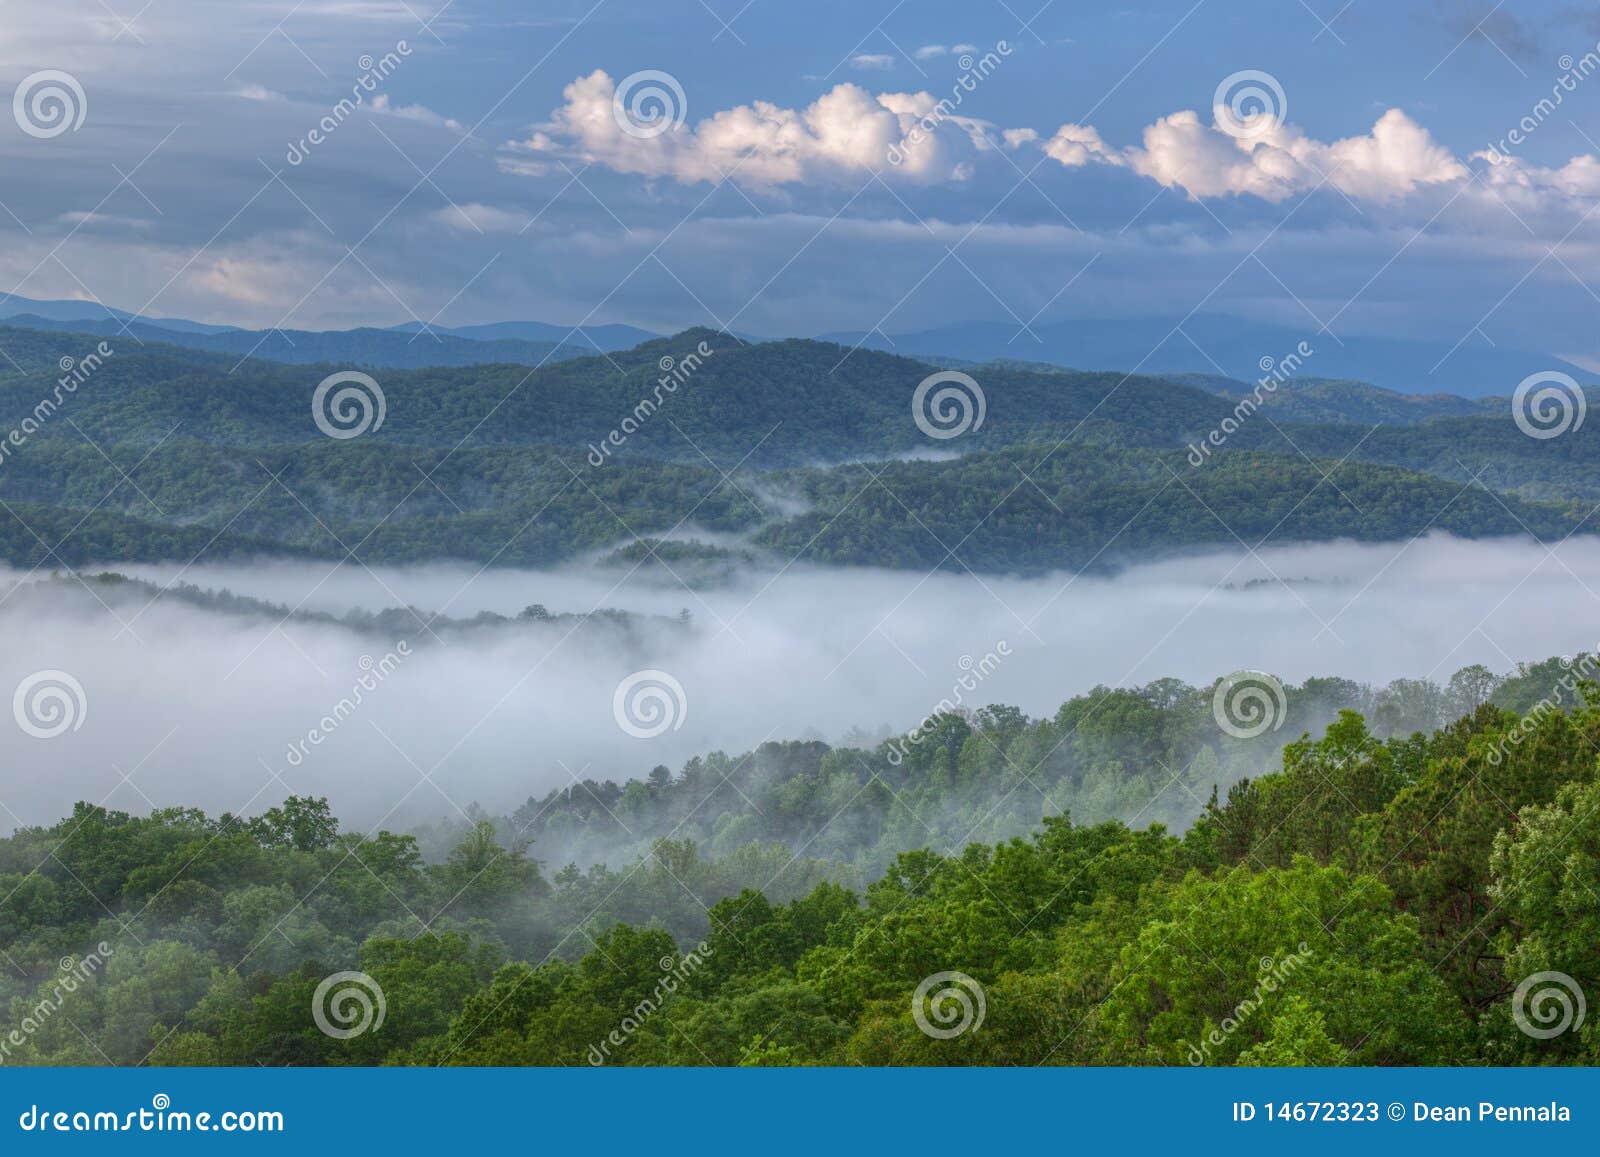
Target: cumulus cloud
x,y
1517,182
872,61
847,130
1275,161
1075,145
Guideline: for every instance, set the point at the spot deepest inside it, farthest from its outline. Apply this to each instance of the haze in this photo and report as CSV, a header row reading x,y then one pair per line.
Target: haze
x,y
198,708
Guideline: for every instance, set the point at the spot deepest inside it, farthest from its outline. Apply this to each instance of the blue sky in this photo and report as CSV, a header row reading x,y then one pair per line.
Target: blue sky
x,y
1085,173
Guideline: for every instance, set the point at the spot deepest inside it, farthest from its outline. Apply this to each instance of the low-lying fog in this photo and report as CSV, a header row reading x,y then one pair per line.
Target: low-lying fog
x,y
190,706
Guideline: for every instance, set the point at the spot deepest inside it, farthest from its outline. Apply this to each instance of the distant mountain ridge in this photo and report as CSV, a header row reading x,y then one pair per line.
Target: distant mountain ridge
x,y
386,348
1230,347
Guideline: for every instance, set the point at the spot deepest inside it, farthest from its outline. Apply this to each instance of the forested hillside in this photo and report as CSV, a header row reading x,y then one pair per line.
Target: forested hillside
x,y
1393,889
802,448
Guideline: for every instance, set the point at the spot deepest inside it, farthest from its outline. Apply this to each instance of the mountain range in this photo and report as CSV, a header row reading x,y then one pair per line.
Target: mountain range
x,y
1212,347
794,450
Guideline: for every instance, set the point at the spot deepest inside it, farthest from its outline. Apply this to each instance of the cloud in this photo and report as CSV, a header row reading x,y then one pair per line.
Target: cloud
x,y
258,92
847,130
1517,182
476,217
1075,145
414,112
1270,160
872,61
929,51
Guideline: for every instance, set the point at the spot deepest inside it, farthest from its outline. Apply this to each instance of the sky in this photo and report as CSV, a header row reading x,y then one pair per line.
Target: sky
x,y
784,169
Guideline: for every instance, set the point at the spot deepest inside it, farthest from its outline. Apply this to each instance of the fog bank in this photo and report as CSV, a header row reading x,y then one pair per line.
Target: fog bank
x,y
195,707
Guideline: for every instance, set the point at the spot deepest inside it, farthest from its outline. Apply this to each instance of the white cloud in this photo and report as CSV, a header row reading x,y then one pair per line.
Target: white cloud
x,y
1075,145
929,51
872,61
476,217
1516,182
1269,160
414,112
258,92
847,130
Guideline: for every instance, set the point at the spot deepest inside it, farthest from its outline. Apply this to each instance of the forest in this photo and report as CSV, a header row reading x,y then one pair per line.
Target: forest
x,y
802,449
1123,883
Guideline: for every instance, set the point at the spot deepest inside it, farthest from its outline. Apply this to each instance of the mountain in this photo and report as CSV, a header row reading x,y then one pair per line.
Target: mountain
x,y
511,465
12,306
1234,348
385,348
589,337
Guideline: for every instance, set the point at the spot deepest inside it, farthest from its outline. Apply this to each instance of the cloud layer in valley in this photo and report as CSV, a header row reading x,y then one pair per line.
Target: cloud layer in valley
x,y
206,710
